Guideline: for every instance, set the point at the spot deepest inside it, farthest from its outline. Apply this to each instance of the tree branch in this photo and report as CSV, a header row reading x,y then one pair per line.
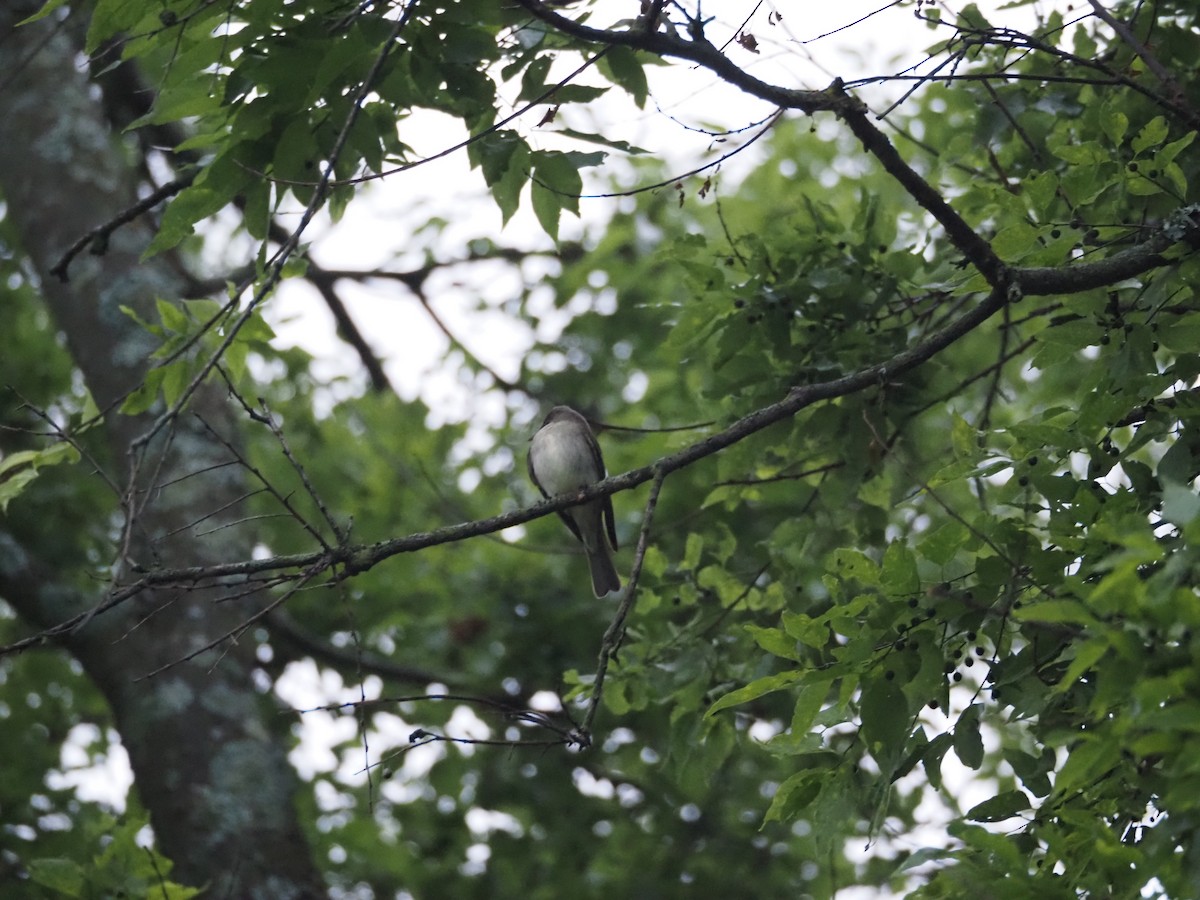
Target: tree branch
x,y
1178,95
615,633
834,99
1183,226
97,238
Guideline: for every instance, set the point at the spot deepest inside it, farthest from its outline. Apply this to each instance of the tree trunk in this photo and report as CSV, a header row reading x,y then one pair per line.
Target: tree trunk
x,y
207,749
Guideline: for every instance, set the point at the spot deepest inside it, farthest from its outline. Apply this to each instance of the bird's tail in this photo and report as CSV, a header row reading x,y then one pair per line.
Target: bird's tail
x,y
604,573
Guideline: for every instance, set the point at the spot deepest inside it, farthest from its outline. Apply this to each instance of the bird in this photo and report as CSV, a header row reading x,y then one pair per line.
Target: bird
x,y
564,458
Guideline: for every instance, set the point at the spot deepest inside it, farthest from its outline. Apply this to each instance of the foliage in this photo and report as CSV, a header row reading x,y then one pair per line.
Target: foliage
x,y
961,582
121,869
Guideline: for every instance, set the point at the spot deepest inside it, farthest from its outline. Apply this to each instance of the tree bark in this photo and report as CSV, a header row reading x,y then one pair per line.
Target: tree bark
x,y
207,749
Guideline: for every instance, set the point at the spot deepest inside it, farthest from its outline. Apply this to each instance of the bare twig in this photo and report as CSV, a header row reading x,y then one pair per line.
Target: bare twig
x,y
501,382
566,734
267,486
616,629
287,630
97,238
238,630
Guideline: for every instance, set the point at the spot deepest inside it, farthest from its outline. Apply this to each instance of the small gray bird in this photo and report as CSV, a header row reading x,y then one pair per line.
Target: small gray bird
x,y
563,458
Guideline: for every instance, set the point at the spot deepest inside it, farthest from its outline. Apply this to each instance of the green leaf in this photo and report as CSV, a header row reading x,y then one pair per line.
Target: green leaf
x,y
852,565
932,758
1000,846
972,18
1067,612
756,689
193,98
533,80
556,186
108,17
181,215
809,701
1087,655
1091,757
1168,153
1043,189
922,856
885,717
794,796
1086,154
773,640
615,143
18,469
899,577
145,395
1152,134
576,93
1115,124
64,876
807,630
1071,335
173,318
1178,464
507,190
1032,771
1014,241
493,152
623,67
48,7
175,379
1180,504
1003,806
964,438
968,742
941,545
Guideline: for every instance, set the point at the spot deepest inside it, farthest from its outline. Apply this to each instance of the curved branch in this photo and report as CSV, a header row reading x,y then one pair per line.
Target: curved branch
x,y
698,50
1184,226
833,99
348,329
97,238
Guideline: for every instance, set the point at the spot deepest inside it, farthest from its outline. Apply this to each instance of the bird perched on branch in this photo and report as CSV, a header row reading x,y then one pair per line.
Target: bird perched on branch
x,y
564,458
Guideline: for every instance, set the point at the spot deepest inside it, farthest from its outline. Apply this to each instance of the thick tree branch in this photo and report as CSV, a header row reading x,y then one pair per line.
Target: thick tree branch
x,y
834,99
353,559
97,238
698,50
1182,228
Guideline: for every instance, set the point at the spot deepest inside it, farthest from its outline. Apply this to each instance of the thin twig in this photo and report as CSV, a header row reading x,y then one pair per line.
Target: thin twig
x,y
98,237
267,486
240,629
616,629
1143,52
